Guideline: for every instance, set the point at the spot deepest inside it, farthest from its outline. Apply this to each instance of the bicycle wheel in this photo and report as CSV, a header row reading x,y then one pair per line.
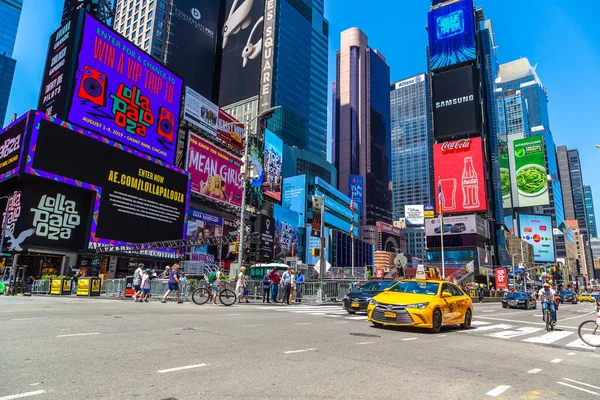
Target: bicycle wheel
x,y
548,319
227,297
589,333
201,296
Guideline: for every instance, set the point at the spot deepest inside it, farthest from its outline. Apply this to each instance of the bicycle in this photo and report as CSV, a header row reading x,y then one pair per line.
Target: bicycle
x,y
593,327
547,315
202,295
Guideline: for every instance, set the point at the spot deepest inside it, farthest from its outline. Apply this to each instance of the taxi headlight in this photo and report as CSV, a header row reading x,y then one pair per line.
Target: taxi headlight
x,y
372,302
420,306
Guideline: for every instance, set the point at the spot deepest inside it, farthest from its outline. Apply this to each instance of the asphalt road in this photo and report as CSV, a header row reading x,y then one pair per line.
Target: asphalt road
x,y
55,348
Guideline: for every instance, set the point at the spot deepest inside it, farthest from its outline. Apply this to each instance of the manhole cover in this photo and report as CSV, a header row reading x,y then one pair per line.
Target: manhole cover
x,y
364,334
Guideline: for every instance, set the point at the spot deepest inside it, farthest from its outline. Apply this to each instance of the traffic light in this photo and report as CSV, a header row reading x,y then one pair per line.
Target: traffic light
x,y
316,252
236,247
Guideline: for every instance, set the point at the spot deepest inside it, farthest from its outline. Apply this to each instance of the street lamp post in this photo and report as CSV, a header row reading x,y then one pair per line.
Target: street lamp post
x,y
245,178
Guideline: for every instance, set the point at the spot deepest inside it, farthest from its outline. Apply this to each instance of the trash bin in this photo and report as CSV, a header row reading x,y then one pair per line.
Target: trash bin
x,y
129,291
88,287
61,286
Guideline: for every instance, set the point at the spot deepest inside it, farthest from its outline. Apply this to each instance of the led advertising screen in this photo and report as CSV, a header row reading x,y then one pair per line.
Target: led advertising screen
x,y
254,193
266,226
241,51
456,108
457,225
451,34
537,231
192,42
505,175
528,172
356,185
271,185
230,132
141,193
203,225
11,147
200,111
294,196
214,172
123,93
459,172
286,233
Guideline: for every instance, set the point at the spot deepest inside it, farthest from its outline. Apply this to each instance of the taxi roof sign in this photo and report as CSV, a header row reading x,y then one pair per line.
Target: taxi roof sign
x,y
421,272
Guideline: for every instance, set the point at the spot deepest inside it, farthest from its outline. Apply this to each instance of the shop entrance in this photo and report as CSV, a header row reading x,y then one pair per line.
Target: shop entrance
x,y
40,266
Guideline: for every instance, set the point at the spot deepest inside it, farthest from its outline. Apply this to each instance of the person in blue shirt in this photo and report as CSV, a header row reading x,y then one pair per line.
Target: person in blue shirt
x,y
266,288
173,284
299,286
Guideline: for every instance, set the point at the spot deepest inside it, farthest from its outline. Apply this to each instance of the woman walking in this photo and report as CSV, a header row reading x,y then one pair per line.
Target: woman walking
x,y
240,284
173,284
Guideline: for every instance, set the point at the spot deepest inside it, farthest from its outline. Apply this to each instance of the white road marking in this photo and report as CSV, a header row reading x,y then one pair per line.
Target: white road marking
x,y
549,337
340,322
571,386
251,326
365,343
479,323
486,310
578,344
488,328
498,390
437,336
22,395
299,351
534,371
575,317
27,319
556,360
581,383
571,354
360,317
526,330
35,384
233,315
332,316
409,338
78,334
164,371
303,323
526,322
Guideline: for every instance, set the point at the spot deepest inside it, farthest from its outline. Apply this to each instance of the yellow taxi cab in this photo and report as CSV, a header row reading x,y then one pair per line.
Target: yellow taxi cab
x,y
585,297
421,303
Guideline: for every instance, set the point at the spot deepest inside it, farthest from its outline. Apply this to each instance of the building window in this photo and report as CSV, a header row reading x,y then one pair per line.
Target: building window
x,y
161,14
158,33
157,43
160,24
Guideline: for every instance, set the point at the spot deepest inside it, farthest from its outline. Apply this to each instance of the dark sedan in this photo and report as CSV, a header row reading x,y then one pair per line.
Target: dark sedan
x,y
567,296
519,300
358,300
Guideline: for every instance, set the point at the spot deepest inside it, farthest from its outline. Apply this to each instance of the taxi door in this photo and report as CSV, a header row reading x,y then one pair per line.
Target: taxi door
x,y
448,305
461,302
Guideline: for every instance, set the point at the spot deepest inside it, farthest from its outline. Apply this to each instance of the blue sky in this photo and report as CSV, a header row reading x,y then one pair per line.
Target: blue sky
x,y
559,36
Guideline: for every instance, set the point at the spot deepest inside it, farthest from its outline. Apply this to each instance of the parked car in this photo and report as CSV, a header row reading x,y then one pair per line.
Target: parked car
x,y
519,300
568,296
358,299
447,228
457,228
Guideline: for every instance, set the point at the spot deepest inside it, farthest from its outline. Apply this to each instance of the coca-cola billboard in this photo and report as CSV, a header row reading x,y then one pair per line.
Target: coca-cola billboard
x,y
459,174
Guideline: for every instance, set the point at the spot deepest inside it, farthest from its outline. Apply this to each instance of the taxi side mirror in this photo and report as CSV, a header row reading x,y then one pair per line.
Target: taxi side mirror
x,y
387,289
446,294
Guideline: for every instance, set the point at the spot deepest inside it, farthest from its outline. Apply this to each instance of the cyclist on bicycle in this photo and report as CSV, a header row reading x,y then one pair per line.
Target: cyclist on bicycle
x,y
547,295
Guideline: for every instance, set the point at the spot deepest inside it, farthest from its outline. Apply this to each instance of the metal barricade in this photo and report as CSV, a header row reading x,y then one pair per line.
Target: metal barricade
x,y
114,287
41,286
158,288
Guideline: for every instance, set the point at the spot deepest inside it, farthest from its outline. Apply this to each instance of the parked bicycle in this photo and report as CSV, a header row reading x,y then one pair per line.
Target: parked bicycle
x,y
203,294
589,331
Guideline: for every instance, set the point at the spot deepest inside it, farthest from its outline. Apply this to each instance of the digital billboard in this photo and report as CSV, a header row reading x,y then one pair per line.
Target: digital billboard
x,y
135,191
254,193
528,172
451,34
505,175
456,225
286,232
414,214
356,185
192,43
537,231
200,111
123,93
214,173
11,147
241,51
456,108
265,225
229,131
202,225
294,196
459,171
271,185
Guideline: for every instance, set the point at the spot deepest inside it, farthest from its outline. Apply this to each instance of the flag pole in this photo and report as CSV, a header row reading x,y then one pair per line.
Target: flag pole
x,y
352,232
441,209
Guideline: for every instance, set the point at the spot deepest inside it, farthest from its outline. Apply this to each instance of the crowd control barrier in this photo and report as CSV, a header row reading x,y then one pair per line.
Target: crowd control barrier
x,y
114,287
42,286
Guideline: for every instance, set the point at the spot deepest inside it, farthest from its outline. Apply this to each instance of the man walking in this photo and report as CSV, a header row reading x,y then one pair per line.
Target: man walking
x,y
275,279
173,284
266,288
137,282
287,287
299,286
74,282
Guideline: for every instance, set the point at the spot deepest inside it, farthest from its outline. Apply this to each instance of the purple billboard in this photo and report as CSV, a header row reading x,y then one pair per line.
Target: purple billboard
x,y
124,94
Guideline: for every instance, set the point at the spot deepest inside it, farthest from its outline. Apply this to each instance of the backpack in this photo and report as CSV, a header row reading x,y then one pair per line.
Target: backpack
x,y
212,277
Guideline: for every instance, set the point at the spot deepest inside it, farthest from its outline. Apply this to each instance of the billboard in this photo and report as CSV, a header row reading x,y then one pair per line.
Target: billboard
x,y
192,43
528,172
254,193
203,225
266,226
428,210
459,172
268,55
356,185
286,233
505,175
228,132
241,51
457,225
214,173
501,278
414,214
123,93
271,185
451,34
456,108
201,112
141,193
294,196
230,228
537,231
11,147
390,238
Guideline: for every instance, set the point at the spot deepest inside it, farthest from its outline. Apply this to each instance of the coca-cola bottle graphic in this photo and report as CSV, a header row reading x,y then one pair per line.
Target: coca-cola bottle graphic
x,y
470,185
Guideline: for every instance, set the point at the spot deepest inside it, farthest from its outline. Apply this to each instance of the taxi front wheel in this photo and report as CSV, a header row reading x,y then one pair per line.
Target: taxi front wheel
x,y
437,321
377,324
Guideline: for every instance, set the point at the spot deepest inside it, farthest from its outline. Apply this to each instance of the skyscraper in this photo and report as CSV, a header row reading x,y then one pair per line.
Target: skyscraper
x,y
588,199
577,190
411,144
103,10
565,179
516,114
10,14
362,124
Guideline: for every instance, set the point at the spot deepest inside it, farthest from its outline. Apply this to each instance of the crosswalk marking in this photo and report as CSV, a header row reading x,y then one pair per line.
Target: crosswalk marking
x,y
517,332
549,337
578,344
479,323
489,328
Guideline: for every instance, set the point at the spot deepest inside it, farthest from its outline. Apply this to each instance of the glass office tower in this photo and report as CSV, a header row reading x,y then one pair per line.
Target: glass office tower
x,y
411,144
10,14
588,199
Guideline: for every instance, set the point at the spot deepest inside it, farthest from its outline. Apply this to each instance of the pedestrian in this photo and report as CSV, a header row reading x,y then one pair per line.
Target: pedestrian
x,y
153,274
275,279
216,284
299,286
480,294
74,283
266,288
286,280
246,279
240,283
137,282
146,285
30,281
166,273
173,284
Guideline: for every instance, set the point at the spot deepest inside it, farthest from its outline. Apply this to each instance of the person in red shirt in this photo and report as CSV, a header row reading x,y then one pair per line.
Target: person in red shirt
x,y
275,279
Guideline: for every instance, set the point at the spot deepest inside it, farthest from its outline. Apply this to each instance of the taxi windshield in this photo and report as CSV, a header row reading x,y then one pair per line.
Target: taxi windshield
x,y
429,288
